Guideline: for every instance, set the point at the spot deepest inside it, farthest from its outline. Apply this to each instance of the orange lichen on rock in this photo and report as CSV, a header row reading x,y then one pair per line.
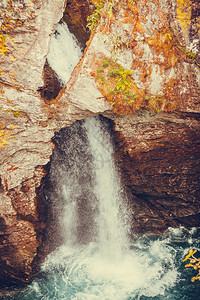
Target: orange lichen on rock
x,y
5,136
184,9
128,20
154,58
163,42
171,97
118,87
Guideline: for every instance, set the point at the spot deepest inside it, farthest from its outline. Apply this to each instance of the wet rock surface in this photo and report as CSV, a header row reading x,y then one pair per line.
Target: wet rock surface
x,y
160,159
27,124
158,153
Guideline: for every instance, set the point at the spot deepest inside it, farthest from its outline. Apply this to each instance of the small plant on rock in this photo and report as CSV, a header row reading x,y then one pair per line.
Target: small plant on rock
x,y
118,86
93,19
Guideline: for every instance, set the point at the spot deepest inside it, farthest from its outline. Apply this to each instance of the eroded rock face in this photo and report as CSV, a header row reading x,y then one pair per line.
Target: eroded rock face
x,y
160,163
25,30
159,42
27,124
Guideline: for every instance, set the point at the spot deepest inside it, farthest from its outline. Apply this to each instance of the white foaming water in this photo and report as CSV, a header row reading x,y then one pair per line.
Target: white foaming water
x,y
107,267
112,230
64,53
88,274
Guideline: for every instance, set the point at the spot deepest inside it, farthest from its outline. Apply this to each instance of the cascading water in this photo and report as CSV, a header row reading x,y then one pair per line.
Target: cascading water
x,y
112,230
64,53
87,188
92,262
89,222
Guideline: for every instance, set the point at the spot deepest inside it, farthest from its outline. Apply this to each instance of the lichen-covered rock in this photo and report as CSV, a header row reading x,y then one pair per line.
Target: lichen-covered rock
x,y
27,124
153,49
25,32
160,42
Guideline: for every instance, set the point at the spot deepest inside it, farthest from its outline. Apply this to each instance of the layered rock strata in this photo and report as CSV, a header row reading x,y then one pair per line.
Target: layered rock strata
x,y
27,124
160,159
160,43
158,152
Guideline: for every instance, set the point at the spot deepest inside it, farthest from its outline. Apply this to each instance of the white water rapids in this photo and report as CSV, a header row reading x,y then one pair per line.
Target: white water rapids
x,y
106,265
96,260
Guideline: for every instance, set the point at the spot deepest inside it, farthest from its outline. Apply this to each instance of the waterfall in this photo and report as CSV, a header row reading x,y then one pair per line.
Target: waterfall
x,y
95,259
87,186
87,193
91,256
72,197
64,53
111,227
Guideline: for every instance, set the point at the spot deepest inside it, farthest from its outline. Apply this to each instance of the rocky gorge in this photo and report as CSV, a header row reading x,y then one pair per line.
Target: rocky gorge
x,y
152,47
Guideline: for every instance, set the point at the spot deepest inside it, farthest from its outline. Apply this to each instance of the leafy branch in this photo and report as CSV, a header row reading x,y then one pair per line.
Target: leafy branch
x,y
93,19
194,263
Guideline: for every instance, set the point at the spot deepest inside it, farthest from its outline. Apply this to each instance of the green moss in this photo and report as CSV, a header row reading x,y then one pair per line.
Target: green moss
x,y
117,84
118,87
131,2
17,113
93,19
191,55
113,73
100,70
101,78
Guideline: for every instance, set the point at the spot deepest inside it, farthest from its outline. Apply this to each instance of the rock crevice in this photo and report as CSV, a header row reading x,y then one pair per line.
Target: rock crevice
x,y
158,151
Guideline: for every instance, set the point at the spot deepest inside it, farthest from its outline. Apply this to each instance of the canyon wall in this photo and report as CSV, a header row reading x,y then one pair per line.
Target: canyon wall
x,y
27,123
155,46
156,109
160,160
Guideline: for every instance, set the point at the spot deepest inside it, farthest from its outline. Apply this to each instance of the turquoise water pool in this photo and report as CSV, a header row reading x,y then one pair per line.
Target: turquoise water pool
x,y
151,269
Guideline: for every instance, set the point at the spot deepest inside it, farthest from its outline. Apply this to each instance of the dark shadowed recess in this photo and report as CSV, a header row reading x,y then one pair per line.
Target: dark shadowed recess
x,y
162,182
70,158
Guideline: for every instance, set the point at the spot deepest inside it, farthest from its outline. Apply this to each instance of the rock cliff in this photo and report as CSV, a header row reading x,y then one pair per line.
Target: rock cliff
x,y
27,124
160,165
143,58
